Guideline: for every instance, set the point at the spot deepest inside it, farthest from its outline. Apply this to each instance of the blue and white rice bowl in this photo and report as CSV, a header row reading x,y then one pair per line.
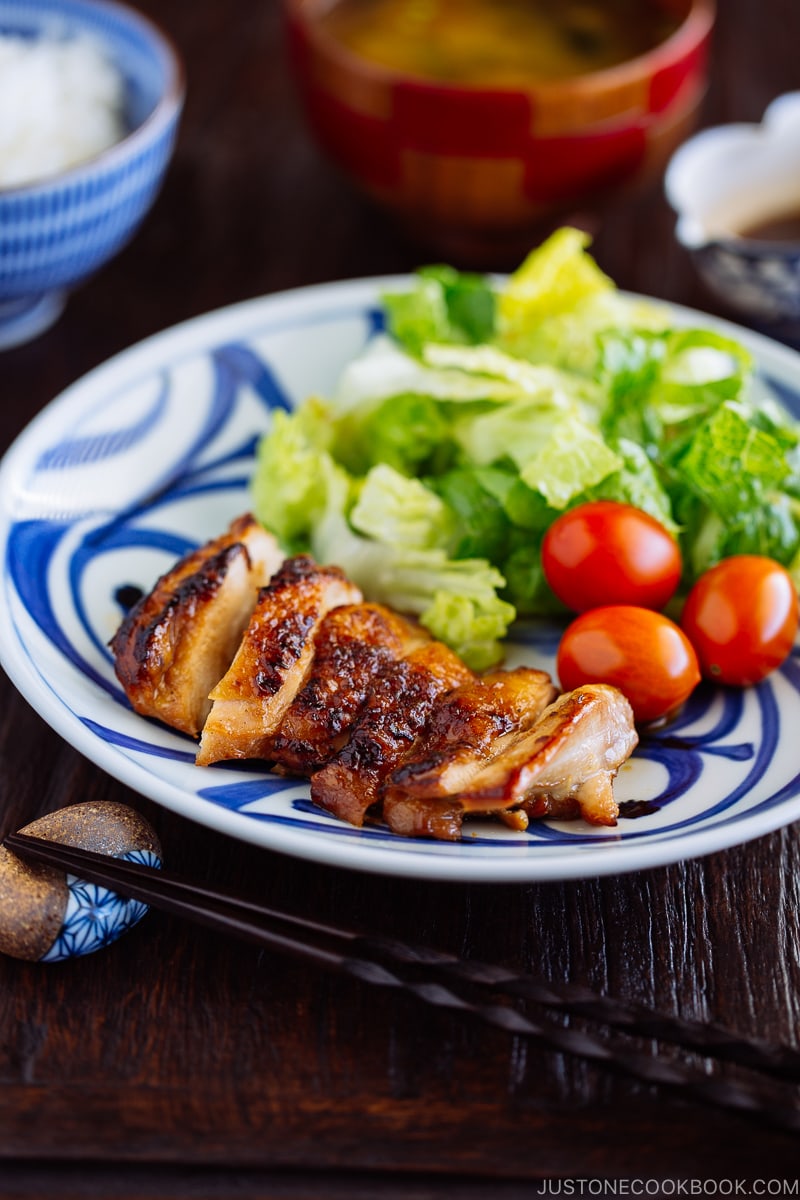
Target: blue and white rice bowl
x,y
58,230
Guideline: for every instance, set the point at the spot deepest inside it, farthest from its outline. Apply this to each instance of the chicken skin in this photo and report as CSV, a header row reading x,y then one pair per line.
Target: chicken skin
x,y
562,767
354,644
465,730
177,642
283,661
395,713
273,659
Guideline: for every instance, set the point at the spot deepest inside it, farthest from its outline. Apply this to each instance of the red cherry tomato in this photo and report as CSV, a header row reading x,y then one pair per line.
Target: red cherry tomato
x,y
603,552
641,652
741,617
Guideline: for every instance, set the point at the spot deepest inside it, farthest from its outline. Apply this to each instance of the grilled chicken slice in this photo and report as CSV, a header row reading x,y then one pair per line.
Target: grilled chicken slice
x,y
273,659
177,642
464,732
354,644
563,766
396,711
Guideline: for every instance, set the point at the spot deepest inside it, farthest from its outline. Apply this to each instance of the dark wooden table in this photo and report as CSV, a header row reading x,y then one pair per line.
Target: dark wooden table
x,y
179,1063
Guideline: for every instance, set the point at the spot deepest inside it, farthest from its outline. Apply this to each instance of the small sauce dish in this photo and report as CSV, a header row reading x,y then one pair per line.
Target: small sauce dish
x,y
736,191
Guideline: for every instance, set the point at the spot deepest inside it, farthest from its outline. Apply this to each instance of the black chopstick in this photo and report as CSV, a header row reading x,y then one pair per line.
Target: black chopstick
x,y
756,1053
448,982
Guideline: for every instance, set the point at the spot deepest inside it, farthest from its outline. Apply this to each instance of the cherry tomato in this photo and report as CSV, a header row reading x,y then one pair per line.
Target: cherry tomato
x,y
603,553
741,617
640,651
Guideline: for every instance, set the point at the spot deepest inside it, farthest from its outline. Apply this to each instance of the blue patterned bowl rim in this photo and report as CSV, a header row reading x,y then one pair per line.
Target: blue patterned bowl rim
x,y
169,103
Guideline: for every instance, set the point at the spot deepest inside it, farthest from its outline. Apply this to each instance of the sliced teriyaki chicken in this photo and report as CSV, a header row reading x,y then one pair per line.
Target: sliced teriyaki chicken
x,y
273,659
465,730
563,766
354,644
177,642
397,708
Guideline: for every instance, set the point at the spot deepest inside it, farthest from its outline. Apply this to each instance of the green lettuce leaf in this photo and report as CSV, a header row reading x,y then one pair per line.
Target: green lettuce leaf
x,y
449,447
475,500
472,623
444,305
554,308
410,432
637,482
553,279
731,463
509,433
385,370
572,458
526,587
295,475
661,385
399,511
458,600
730,487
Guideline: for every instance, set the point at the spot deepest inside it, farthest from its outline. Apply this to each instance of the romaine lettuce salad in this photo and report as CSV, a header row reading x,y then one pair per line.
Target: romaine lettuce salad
x,y
488,408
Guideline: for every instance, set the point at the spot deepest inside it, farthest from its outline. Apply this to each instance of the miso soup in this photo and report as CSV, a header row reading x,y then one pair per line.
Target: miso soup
x,y
501,43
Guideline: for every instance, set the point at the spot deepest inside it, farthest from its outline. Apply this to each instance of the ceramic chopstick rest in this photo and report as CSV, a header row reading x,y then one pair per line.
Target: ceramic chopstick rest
x,y
47,916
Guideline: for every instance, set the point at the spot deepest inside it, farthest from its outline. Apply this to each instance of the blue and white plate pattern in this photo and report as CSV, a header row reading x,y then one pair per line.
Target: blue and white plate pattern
x,y
151,454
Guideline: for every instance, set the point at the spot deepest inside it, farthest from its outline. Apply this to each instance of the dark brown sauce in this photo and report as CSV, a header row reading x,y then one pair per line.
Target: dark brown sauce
x,y
127,595
630,809
783,227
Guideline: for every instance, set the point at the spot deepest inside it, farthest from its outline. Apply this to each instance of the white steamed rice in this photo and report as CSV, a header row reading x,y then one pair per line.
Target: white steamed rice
x,y
61,102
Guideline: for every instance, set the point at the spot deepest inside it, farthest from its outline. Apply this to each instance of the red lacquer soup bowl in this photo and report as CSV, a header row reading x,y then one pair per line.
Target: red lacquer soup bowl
x,y
475,170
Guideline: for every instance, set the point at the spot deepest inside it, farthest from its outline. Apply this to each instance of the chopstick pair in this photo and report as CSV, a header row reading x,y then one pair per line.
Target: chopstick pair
x,y
449,982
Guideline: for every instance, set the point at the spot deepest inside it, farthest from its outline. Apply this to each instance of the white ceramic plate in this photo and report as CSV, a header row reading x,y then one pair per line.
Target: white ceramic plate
x,y
152,453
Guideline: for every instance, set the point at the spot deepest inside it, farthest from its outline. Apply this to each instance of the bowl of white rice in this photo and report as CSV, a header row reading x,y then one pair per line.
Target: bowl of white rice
x,y
91,94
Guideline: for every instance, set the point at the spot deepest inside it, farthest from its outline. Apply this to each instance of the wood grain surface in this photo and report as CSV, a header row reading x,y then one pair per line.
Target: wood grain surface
x,y
178,1063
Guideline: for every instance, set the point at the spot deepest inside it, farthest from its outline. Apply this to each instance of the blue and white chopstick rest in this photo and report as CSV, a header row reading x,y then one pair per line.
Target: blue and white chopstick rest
x,y
46,916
